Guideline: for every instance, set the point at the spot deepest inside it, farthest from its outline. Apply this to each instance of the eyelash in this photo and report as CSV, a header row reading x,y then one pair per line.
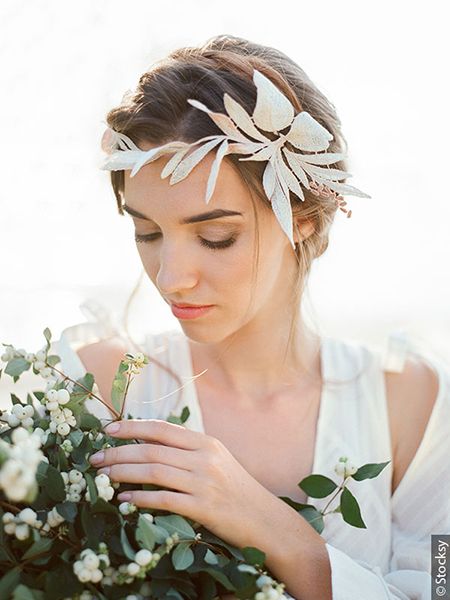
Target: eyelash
x,y
209,244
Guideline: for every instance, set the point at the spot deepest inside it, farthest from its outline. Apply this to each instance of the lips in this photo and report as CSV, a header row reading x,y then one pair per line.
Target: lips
x,y
190,311
190,305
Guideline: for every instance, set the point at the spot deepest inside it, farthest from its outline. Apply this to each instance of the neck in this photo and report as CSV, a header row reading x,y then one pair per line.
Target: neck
x,y
259,361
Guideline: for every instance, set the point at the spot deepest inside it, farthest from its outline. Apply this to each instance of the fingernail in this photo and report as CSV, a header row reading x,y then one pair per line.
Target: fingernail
x,y
97,458
104,470
112,428
124,497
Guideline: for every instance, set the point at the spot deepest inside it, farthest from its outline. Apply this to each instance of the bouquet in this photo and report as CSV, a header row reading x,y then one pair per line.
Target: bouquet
x,y
63,533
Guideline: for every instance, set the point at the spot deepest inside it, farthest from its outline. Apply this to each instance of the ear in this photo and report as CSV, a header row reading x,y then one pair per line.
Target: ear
x,y
303,229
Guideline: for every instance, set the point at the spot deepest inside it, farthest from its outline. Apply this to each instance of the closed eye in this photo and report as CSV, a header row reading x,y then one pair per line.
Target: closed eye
x,y
212,245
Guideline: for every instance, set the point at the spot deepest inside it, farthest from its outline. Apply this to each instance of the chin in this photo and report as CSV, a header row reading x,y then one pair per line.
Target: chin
x,y
204,333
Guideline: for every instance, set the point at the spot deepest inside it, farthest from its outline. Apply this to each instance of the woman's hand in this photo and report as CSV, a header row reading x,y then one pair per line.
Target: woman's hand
x,y
209,485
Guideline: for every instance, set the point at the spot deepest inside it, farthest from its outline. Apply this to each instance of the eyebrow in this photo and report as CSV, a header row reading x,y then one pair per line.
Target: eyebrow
x,y
207,216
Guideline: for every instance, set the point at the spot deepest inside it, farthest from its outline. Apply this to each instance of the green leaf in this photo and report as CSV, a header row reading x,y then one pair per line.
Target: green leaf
x,y
210,557
76,437
182,556
119,385
248,569
369,471
350,509
54,484
15,399
317,486
127,548
179,420
47,334
42,546
78,392
89,421
68,510
17,366
253,556
53,359
22,592
148,534
220,577
176,523
313,516
9,581
93,494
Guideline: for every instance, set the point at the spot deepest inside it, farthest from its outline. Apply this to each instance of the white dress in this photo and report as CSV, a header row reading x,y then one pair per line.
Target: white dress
x,y
391,559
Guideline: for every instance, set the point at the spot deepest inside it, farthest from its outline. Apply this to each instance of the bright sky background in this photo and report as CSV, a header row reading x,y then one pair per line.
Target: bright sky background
x,y
384,65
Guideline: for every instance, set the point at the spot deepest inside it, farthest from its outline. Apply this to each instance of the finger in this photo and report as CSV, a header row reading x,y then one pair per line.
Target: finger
x,y
157,430
162,475
175,502
147,453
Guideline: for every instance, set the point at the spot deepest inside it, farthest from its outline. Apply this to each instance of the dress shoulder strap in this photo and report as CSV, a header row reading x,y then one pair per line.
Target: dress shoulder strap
x,y
396,351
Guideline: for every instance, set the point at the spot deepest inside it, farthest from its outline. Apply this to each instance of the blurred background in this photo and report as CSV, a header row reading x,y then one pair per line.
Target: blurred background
x,y
64,65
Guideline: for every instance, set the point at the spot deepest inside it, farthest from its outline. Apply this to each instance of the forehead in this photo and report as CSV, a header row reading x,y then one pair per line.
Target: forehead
x,y
157,198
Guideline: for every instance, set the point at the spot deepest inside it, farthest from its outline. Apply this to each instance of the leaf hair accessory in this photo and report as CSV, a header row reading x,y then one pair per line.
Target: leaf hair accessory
x,y
286,170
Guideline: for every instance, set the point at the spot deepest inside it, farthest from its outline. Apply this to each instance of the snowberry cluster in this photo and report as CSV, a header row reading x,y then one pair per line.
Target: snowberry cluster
x,y
90,565
345,468
104,488
128,508
67,447
268,591
20,415
20,524
61,419
75,484
144,560
36,359
19,462
171,540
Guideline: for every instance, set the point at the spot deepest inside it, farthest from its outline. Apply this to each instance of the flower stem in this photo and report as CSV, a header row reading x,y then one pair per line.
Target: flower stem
x,y
111,408
340,488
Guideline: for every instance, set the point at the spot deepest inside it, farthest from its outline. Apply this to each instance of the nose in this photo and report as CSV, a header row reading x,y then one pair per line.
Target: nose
x,y
176,271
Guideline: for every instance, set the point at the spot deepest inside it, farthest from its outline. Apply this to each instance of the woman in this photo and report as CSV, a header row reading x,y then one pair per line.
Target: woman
x,y
272,401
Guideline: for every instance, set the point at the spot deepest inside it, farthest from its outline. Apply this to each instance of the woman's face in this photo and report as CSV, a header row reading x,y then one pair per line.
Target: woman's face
x,y
194,260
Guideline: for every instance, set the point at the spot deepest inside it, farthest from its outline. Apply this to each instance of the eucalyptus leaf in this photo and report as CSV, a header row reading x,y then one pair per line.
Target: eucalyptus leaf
x,y
254,556
182,556
248,569
350,509
176,523
53,359
210,557
16,367
314,517
126,546
22,592
317,486
148,534
15,399
93,493
119,385
68,510
369,471
9,581
54,484
42,546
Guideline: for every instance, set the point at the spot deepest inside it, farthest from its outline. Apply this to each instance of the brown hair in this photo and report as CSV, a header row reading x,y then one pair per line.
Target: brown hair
x,y
157,112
